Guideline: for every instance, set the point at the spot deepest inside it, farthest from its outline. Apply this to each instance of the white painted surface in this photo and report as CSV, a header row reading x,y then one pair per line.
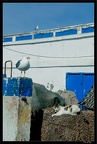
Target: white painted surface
x,y
16,119
10,117
52,58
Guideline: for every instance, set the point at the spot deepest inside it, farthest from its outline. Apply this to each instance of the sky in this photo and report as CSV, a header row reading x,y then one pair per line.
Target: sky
x,y
24,17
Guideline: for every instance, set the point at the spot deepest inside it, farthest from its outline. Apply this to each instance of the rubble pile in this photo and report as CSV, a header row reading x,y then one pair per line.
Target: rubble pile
x,y
67,127
88,101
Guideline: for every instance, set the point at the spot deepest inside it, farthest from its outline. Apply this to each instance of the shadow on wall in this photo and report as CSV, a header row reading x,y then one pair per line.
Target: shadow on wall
x,y
36,123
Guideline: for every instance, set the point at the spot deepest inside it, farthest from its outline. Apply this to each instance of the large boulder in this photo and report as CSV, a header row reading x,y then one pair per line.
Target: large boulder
x,y
68,96
44,98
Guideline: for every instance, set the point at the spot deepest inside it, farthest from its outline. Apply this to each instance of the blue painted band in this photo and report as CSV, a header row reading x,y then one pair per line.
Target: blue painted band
x,y
27,37
7,39
17,87
43,35
3,75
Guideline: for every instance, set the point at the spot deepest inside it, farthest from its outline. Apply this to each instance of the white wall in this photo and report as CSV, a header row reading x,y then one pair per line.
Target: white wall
x,y
76,54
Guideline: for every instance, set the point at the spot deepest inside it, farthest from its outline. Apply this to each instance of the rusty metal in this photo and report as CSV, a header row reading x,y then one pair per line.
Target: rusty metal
x,y
10,68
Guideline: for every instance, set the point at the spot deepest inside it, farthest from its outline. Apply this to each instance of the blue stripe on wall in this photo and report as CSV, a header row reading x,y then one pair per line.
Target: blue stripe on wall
x,y
26,37
50,34
7,39
43,35
87,30
67,32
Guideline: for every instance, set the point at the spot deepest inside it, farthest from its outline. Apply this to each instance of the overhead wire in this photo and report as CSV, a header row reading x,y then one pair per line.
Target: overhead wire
x,y
45,56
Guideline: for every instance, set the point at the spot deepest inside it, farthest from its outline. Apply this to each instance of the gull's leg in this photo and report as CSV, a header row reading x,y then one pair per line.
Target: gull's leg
x,y
21,74
24,73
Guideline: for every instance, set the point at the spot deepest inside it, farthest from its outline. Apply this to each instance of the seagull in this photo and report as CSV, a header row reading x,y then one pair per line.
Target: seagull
x,y
23,64
36,28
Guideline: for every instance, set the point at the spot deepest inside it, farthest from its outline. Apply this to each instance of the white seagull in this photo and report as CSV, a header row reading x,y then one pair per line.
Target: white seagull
x,y
23,64
36,28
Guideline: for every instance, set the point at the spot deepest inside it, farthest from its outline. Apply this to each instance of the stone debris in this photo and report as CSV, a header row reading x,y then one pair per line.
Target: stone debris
x,y
68,96
67,127
88,101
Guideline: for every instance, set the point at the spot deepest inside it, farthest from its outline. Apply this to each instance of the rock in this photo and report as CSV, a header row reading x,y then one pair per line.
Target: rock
x,y
68,96
43,98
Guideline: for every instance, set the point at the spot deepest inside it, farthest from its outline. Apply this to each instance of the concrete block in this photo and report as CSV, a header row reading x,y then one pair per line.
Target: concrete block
x,y
17,98
10,117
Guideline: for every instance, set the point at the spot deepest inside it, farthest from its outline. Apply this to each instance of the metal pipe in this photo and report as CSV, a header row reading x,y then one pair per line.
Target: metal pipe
x,y
10,68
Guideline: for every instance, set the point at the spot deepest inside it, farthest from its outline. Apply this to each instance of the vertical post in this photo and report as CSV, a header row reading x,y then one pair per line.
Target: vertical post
x,y
54,34
14,38
79,30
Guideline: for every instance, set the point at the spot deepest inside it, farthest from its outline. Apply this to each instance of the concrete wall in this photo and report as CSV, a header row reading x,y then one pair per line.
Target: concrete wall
x,y
52,57
17,112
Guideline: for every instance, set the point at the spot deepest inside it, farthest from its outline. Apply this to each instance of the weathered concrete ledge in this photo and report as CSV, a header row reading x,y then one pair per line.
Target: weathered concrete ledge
x,y
17,100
